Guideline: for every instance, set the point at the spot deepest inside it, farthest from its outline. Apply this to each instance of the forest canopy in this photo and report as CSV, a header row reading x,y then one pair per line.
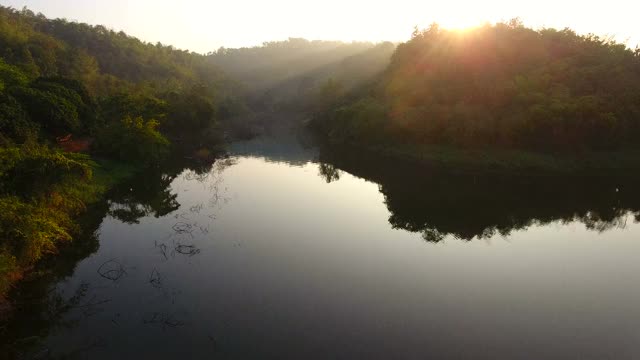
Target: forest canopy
x,y
502,85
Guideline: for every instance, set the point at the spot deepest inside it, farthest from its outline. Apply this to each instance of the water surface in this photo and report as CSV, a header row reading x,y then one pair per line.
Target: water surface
x,y
277,253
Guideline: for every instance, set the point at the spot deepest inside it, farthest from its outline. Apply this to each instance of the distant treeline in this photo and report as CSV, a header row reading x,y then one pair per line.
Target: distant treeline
x,y
72,93
289,73
500,86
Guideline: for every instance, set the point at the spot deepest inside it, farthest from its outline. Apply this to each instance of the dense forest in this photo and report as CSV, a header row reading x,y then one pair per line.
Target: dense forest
x,y
80,108
500,86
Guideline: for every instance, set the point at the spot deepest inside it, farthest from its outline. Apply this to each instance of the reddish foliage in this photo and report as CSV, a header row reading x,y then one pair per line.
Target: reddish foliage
x,y
67,143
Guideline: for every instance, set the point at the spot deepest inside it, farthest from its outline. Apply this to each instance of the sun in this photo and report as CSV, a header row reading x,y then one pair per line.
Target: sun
x,y
459,15
461,22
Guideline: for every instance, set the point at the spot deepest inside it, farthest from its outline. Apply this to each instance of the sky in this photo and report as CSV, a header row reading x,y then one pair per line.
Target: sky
x,y
203,26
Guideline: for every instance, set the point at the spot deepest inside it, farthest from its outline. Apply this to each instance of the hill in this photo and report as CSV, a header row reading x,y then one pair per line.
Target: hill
x,y
501,86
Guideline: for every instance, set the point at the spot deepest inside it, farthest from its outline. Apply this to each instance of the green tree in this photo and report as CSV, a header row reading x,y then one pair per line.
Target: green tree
x,y
133,139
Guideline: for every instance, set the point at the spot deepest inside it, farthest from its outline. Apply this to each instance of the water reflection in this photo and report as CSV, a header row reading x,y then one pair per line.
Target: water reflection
x,y
284,147
328,172
150,193
437,203
38,308
270,256
41,310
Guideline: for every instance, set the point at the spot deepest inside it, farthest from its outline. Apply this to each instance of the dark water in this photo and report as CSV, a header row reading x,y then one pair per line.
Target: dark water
x,y
280,252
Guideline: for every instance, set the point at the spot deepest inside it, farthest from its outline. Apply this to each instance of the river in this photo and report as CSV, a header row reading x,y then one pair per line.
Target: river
x,y
284,252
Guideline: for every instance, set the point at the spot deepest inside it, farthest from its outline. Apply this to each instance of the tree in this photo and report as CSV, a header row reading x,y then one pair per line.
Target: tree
x,y
133,139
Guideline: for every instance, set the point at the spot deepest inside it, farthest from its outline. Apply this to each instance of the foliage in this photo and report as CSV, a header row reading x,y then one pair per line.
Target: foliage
x,y
56,68
67,83
57,105
11,76
363,119
54,113
40,190
14,121
32,230
119,105
37,170
74,92
505,86
105,60
133,139
190,113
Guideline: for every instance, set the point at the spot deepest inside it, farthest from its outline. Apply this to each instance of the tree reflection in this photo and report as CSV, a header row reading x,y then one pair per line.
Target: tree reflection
x,y
145,195
150,193
437,203
39,309
328,172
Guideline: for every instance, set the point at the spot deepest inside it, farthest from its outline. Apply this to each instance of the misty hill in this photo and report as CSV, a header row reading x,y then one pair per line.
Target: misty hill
x,y
290,71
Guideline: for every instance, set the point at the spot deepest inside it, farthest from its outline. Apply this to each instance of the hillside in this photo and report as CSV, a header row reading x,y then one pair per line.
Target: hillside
x,y
500,86
290,72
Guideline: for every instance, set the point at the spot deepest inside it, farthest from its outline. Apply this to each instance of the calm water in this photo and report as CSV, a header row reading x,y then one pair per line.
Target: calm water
x,y
280,252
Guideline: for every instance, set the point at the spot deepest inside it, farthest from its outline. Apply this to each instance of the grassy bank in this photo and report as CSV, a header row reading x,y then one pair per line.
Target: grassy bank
x,y
108,173
39,227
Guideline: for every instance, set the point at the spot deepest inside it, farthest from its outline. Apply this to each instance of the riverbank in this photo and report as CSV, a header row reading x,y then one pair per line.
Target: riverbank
x,y
511,162
15,267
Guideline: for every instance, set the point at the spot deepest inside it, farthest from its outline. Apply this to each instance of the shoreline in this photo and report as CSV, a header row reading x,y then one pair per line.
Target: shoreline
x,y
496,161
106,175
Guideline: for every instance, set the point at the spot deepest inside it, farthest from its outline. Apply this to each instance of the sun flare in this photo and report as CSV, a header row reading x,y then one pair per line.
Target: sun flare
x,y
461,23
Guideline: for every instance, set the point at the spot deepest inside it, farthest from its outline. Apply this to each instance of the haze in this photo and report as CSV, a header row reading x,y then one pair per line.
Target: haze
x,y
319,180
203,26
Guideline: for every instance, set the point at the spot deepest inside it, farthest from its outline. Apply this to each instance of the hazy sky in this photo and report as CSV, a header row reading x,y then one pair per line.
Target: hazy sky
x,y
202,25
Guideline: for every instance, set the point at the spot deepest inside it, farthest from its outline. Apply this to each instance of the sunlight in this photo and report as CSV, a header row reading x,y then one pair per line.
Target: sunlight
x,y
462,24
339,179
462,21
460,16
200,25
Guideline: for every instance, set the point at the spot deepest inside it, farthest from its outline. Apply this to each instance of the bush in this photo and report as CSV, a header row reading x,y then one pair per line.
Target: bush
x,y
54,113
41,189
37,171
133,139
